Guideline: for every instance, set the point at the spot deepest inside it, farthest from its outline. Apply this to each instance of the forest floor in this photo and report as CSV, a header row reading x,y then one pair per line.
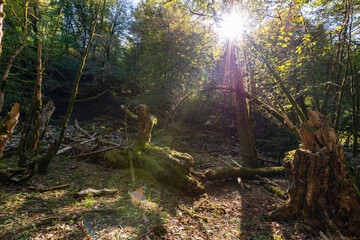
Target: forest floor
x,y
143,208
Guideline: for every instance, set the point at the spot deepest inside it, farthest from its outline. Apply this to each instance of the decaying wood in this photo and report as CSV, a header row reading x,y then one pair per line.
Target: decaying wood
x,y
7,127
146,123
129,113
235,172
52,188
77,126
95,192
74,145
320,191
45,117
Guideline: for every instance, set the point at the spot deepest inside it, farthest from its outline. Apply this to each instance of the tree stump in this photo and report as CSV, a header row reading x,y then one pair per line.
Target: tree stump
x,y
320,190
146,123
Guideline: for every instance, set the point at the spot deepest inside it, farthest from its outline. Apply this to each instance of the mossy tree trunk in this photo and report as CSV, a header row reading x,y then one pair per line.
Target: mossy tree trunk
x,y
320,191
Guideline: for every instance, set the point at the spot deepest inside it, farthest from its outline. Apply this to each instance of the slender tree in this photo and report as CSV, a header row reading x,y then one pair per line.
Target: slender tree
x,y
45,161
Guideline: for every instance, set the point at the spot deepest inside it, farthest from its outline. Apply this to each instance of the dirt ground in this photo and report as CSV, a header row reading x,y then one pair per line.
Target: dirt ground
x,y
141,208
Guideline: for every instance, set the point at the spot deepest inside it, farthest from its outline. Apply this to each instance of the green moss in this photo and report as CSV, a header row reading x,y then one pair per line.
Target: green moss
x,y
275,190
117,158
289,156
3,166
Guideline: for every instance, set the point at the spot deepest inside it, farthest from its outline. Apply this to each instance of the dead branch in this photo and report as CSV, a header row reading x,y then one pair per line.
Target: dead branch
x,y
129,113
95,193
91,98
74,145
45,189
77,126
95,152
45,117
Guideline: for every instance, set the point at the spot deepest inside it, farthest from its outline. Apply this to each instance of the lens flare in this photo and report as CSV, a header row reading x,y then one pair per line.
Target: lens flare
x,y
232,26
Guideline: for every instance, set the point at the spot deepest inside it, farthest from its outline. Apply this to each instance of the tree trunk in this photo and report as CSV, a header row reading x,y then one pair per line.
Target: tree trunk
x,y
45,161
7,126
37,103
2,16
45,117
320,191
245,131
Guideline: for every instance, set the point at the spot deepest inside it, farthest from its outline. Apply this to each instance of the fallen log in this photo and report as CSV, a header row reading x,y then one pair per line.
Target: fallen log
x,y
226,172
166,165
95,192
52,188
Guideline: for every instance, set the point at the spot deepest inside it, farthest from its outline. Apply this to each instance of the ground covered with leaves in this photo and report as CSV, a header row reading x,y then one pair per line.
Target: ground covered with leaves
x,y
141,208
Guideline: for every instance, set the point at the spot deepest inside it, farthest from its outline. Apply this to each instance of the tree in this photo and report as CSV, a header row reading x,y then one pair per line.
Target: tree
x,y
45,161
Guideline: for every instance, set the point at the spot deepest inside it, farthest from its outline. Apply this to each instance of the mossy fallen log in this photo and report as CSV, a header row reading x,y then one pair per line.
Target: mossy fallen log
x,y
166,165
227,172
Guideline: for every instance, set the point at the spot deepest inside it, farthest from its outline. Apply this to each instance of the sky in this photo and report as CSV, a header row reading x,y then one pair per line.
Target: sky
x,y
135,2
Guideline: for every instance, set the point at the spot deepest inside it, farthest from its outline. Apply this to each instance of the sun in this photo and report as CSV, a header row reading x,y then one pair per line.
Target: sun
x,y
232,26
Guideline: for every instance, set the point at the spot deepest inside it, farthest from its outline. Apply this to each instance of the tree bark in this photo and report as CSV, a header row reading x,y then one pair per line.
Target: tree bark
x,y
320,191
7,127
45,117
2,16
235,172
146,123
45,161
245,131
